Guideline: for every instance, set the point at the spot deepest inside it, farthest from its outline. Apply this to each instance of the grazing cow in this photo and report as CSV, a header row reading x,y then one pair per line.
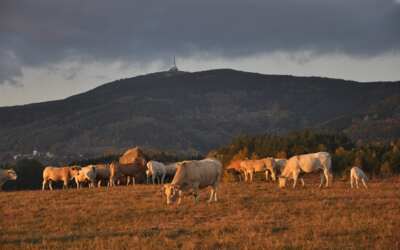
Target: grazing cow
x,y
234,169
357,174
86,174
193,176
5,175
307,163
157,171
63,174
131,171
250,167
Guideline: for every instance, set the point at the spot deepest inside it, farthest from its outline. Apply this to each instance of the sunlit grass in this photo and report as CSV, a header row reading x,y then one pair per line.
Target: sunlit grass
x,y
251,216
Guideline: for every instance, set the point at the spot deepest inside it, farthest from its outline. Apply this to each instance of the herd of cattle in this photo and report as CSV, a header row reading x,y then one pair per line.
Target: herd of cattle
x,y
191,176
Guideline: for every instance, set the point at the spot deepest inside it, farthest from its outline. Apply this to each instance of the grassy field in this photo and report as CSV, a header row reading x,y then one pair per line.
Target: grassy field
x,y
248,216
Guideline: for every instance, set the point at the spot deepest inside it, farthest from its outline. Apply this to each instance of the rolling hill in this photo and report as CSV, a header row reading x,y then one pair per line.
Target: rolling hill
x,y
195,112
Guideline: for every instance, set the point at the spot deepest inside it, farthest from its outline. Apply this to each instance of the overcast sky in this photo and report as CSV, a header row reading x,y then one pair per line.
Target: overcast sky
x,y
53,49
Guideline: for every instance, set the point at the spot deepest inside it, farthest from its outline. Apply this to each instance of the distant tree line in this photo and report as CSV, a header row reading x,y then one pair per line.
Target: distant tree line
x,y
377,159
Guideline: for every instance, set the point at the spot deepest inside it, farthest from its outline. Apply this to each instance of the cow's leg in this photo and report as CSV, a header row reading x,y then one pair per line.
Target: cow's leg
x,y
302,182
44,185
351,181
357,182
211,195
196,192
99,183
51,184
322,180
77,184
133,180
273,175
153,177
215,193
266,175
365,184
327,175
180,195
295,177
251,176
128,180
163,178
65,184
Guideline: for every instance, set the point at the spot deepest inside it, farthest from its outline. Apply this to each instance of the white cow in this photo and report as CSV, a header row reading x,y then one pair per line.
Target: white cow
x,y
157,171
170,169
357,174
265,165
5,175
307,163
85,174
193,176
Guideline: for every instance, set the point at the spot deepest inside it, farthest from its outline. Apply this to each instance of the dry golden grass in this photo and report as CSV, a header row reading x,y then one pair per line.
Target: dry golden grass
x,y
248,216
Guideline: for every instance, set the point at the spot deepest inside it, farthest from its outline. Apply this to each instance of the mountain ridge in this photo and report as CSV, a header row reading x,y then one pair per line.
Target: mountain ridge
x,y
189,111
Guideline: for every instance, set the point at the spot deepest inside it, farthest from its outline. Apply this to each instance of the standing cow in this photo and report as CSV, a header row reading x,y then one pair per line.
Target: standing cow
x,y
157,171
193,176
250,167
307,163
130,171
86,174
64,174
6,175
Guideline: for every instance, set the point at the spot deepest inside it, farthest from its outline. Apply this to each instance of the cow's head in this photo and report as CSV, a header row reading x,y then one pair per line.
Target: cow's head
x,y
282,182
11,174
171,192
74,170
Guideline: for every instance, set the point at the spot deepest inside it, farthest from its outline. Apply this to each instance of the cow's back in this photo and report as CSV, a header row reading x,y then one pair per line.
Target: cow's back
x,y
55,173
206,172
102,171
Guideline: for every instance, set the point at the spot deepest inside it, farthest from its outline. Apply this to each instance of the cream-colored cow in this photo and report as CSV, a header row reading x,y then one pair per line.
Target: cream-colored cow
x,y
307,163
193,176
356,174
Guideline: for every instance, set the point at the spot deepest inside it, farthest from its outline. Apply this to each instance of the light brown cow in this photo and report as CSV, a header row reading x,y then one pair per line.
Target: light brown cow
x,y
193,176
250,167
63,174
6,175
234,169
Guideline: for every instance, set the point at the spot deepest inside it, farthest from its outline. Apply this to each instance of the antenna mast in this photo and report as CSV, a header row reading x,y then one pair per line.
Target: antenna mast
x,y
174,68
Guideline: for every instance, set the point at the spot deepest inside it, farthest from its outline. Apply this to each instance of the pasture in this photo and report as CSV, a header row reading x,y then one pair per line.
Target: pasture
x,y
247,216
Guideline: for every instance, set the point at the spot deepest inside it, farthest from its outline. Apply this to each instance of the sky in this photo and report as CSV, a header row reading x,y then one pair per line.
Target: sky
x,y
54,49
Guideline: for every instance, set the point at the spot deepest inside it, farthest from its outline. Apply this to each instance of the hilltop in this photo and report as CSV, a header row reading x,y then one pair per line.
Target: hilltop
x,y
199,111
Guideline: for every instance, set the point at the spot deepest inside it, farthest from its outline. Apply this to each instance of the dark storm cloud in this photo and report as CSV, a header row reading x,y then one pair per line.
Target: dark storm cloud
x,y
42,32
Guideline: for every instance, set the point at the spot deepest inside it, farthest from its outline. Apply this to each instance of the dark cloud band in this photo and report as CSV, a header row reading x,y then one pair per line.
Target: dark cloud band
x,y
43,32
